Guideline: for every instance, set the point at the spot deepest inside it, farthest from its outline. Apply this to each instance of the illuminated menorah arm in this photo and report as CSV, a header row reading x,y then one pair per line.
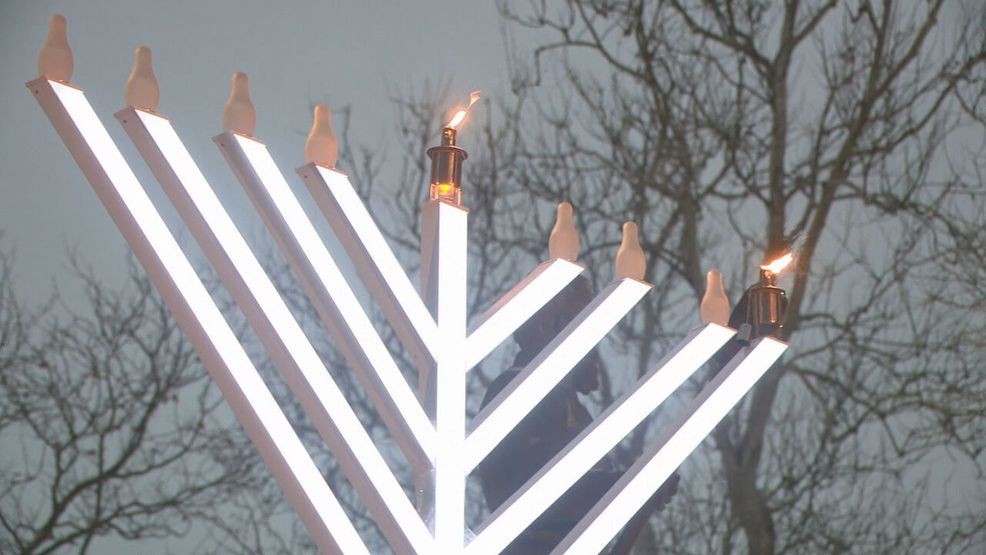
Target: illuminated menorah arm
x,y
605,432
403,307
517,306
662,456
443,262
455,351
375,261
196,313
444,251
331,295
550,366
592,444
276,327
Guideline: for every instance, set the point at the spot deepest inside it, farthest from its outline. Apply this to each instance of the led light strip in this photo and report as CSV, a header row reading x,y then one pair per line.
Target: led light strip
x,y
128,205
543,373
664,455
374,260
517,306
277,329
559,474
447,262
331,295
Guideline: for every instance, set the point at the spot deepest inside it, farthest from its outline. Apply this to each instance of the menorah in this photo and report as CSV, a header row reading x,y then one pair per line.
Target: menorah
x,y
430,427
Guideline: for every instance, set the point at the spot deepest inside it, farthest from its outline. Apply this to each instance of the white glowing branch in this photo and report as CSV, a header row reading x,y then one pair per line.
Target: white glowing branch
x,y
374,260
197,315
444,229
543,373
608,429
517,306
663,456
331,296
277,329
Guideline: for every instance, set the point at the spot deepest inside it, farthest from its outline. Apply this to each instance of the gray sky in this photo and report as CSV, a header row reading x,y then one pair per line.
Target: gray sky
x,y
296,52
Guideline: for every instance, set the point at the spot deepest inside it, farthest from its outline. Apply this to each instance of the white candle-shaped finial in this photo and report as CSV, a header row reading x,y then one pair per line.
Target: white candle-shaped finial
x,y
630,262
321,146
55,59
142,90
564,239
715,304
239,115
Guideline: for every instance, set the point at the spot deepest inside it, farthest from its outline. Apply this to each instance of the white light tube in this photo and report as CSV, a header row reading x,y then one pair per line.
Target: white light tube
x,y
547,369
331,295
608,429
517,306
116,186
277,329
448,249
666,454
374,260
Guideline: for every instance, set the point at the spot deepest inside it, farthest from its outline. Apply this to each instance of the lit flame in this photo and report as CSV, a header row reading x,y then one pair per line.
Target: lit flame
x,y
777,265
461,114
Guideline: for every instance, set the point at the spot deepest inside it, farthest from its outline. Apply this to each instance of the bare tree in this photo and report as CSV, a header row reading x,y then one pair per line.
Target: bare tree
x,y
254,517
107,422
731,132
848,132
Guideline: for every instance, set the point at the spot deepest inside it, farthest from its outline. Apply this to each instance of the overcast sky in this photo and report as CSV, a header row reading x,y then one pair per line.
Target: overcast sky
x,y
296,52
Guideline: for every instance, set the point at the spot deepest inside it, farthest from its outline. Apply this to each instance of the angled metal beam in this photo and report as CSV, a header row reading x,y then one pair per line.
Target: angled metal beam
x,y
664,455
607,430
331,296
552,364
193,308
276,327
375,261
517,306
